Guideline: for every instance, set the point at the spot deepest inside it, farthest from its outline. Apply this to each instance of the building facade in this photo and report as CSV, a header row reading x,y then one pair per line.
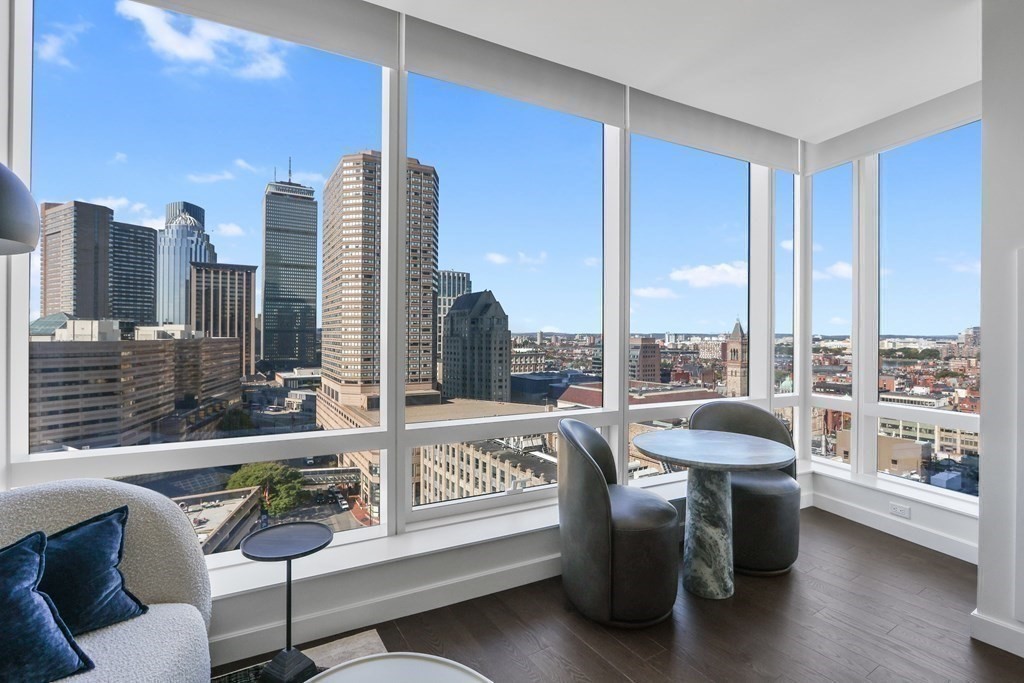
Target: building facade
x,y
737,362
182,241
289,275
133,273
351,352
222,303
74,245
644,360
451,284
94,267
477,349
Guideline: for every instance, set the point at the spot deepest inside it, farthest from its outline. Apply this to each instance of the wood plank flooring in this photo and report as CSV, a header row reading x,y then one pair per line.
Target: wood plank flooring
x,y
859,605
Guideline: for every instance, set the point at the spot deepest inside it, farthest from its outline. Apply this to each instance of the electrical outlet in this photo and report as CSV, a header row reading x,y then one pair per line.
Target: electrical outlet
x,y
899,510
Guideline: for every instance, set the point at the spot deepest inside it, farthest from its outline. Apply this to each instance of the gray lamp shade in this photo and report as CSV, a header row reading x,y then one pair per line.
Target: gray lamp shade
x,y
19,215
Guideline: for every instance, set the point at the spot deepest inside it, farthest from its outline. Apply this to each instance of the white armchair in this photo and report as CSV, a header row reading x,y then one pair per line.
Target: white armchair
x,y
163,566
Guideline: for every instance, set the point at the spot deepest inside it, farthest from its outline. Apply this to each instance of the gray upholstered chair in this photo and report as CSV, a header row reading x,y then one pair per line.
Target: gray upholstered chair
x,y
766,503
620,544
163,566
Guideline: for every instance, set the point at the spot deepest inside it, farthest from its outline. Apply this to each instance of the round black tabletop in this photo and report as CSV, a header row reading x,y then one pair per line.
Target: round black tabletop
x,y
286,541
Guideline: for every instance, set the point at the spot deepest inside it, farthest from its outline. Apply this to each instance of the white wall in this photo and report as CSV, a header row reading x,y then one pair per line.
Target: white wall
x,y
997,619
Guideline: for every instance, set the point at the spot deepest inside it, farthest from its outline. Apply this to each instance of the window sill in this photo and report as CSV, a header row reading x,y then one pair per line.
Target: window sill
x,y
953,502
232,575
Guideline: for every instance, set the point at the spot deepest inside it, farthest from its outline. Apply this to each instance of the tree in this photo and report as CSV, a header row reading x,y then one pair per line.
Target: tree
x,y
282,485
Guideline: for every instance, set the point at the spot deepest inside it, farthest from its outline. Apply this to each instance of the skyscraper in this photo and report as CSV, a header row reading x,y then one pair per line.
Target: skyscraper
x,y
289,275
352,278
222,303
477,349
644,360
182,241
451,284
133,273
75,260
95,267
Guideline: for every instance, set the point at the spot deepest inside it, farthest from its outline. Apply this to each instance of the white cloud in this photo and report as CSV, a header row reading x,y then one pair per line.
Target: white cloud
x,y
119,158
592,261
734,274
788,245
246,166
528,260
152,222
655,293
115,203
210,177
841,270
51,46
229,230
201,43
967,267
496,258
308,177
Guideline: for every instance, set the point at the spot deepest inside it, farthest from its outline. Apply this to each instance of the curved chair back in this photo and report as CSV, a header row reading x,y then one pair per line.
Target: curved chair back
x,y
743,418
585,469
162,559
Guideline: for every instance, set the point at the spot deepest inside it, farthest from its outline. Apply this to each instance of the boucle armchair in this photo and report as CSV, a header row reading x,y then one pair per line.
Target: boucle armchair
x,y
163,566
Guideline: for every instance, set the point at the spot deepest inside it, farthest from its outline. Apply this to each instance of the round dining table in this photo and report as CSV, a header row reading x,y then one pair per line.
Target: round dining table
x,y
710,457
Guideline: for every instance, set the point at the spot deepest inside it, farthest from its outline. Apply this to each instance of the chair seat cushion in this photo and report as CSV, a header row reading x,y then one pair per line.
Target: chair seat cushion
x,y
168,643
634,509
772,483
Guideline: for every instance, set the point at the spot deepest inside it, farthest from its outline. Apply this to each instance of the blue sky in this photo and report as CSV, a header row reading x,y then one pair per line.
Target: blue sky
x,y
135,107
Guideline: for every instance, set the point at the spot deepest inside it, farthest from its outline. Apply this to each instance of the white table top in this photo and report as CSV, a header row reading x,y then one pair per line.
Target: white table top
x,y
712,450
400,666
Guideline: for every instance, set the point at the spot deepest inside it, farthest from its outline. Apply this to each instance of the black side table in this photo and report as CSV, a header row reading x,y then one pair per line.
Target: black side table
x,y
287,542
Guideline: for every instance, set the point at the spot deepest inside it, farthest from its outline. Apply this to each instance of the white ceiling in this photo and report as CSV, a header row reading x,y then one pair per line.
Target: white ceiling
x,y
811,69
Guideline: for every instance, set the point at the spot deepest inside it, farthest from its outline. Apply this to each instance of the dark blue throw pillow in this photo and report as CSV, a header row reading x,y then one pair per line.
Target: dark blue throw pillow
x,y
35,645
82,575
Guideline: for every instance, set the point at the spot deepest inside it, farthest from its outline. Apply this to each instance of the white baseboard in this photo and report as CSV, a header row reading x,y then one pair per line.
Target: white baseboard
x,y
908,531
998,633
412,599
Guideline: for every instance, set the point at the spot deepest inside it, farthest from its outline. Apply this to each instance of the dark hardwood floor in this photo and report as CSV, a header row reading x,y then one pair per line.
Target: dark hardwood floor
x,y
859,605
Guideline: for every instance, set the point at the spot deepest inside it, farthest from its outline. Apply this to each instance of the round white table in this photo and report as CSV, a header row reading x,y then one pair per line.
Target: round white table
x,y
711,456
400,666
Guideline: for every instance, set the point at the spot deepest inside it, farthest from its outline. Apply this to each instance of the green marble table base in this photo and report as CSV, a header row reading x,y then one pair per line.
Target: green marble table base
x,y
707,548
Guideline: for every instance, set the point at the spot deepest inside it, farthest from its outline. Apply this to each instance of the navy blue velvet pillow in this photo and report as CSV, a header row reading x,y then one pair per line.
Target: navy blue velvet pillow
x,y
82,576
35,645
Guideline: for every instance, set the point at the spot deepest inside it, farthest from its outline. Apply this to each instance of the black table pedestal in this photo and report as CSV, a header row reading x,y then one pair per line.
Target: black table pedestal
x,y
287,542
288,666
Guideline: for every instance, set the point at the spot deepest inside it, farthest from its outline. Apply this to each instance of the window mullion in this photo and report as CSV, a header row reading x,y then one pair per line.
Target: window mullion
x,y
616,288
395,464
761,285
802,286
865,344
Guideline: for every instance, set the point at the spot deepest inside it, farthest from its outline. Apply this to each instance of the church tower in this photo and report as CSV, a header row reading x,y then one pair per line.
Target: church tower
x,y
736,362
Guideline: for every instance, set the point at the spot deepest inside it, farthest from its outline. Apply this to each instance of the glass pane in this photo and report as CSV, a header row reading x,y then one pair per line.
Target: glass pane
x,y
640,465
174,295
226,503
504,285
784,292
830,434
785,415
689,269
923,452
832,311
930,250
453,471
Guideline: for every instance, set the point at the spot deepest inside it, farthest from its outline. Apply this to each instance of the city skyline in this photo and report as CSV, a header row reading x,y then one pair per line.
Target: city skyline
x,y
699,284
